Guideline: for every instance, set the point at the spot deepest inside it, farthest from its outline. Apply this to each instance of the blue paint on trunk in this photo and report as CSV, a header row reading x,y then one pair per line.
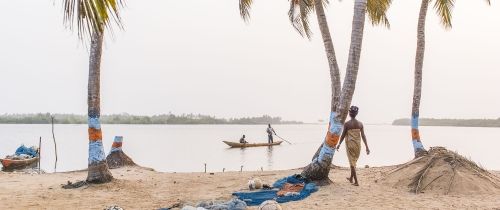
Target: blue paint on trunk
x,y
94,122
115,149
417,145
96,152
326,151
118,139
335,127
414,121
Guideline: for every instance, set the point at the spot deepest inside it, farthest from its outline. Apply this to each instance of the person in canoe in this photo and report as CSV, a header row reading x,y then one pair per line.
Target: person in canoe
x,y
242,139
354,131
270,131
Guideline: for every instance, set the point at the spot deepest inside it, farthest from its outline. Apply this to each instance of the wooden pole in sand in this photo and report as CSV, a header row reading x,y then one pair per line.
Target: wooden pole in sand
x,y
55,144
39,154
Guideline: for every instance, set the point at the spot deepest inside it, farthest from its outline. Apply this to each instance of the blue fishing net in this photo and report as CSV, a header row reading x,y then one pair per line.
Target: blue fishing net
x,y
257,197
26,151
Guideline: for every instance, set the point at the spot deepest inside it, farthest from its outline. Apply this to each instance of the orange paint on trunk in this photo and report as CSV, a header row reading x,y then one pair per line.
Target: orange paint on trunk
x,y
95,134
332,139
116,144
415,134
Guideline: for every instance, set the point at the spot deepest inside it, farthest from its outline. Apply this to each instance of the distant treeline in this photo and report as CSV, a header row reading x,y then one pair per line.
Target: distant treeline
x,y
45,118
452,122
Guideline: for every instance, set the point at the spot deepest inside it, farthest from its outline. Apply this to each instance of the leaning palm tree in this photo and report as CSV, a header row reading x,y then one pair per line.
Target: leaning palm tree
x,y
341,99
299,13
319,168
92,17
443,9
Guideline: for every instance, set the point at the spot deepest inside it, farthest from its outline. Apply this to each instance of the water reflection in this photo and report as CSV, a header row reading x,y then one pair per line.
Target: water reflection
x,y
242,156
270,158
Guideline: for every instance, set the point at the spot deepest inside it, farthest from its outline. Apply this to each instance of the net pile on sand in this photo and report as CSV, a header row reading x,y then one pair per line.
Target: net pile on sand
x,y
442,171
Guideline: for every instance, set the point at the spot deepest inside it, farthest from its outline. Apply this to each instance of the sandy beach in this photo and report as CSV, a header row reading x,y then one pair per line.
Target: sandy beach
x,y
141,188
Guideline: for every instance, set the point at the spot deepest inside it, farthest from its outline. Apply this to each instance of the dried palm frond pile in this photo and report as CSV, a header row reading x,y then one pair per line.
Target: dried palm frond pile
x,y
442,171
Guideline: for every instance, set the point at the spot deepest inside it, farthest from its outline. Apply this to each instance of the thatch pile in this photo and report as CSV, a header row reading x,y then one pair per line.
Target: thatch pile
x,y
442,171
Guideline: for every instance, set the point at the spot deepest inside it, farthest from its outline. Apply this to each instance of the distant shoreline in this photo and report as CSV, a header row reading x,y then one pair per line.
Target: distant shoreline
x,y
127,119
489,123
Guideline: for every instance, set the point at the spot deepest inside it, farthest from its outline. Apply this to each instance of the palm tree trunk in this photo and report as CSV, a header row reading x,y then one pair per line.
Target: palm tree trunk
x,y
320,166
332,59
330,53
98,171
417,86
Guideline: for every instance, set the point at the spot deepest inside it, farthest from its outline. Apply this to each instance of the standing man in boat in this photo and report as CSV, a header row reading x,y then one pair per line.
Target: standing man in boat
x,y
270,131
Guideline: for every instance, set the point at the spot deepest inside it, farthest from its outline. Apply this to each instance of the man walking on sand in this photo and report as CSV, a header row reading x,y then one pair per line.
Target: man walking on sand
x,y
270,131
354,131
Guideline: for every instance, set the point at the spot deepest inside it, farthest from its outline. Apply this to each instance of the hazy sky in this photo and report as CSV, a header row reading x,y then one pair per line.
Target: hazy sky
x,y
198,56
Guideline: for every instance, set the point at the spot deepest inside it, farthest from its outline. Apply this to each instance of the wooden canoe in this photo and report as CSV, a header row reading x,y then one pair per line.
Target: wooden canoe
x,y
240,145
9,164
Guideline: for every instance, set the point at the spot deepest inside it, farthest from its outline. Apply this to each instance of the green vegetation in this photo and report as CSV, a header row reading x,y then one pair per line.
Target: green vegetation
x,y
452,122
44,118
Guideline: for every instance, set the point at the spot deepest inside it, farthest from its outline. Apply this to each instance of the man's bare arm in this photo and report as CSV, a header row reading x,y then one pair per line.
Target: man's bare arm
x,y
363,136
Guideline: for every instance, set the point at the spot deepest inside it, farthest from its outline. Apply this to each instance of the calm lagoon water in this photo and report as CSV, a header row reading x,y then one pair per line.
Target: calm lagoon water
x,y
185,148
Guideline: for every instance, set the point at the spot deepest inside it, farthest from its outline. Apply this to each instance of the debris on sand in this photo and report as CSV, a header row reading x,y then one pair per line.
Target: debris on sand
x,y
75,185
114,207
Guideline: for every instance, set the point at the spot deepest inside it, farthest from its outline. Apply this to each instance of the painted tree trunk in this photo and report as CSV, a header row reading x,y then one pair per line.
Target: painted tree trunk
x,y
417,86
320,166
332,59
98,171
116,157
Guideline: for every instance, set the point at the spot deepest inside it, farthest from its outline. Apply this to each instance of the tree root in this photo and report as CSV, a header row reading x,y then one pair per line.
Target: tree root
x,y
75,185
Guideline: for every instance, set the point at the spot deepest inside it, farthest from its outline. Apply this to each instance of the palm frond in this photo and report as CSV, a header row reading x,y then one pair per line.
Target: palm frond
x,y
91,16
444,9
299,16
245,6
377,12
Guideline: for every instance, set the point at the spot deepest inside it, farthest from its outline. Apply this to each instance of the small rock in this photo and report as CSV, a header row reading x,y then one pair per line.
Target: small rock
x,y
270,205
114,207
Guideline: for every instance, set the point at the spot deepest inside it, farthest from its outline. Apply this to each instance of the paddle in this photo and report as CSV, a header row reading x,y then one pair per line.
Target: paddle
x,y
282,138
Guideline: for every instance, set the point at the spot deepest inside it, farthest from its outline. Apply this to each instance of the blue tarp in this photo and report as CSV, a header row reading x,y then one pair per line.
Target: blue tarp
x,y
26,151
258,197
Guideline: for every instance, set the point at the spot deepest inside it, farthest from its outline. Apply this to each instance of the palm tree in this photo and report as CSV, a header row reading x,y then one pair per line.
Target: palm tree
x,y
341,99
92,17
443,9
319,168
377,13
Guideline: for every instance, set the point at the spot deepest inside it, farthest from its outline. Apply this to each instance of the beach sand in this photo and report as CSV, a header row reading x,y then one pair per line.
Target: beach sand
x,y
140,188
